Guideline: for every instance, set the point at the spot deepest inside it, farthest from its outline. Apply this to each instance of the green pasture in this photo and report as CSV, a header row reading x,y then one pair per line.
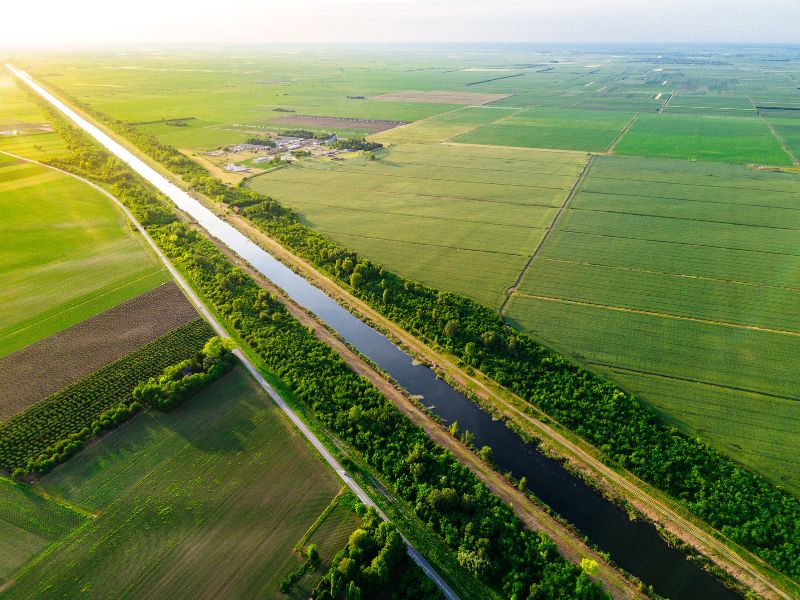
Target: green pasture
x,y
461,218
694,137
206,501
564,129
68,254
789,130
445,126
711,380
29,524
687,275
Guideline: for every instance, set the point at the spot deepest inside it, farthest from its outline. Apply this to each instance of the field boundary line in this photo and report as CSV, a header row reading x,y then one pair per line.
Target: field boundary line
x,y
676,218
431,217
775,133
417,243
610,148
693,184
298,547
80,301
572,192
500,120
392,175
694,244
521,148
447,112
652,313
671,274
690,380
415,555
783,144
696,200
664,106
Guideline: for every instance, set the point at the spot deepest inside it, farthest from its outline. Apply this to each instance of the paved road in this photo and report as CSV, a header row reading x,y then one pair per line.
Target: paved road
x,y
167,188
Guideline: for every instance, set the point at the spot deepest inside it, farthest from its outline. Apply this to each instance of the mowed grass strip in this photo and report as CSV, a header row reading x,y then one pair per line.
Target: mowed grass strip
x,y
696,137
558,128
462,218
694,288
204,502
43,368
67,254
29,523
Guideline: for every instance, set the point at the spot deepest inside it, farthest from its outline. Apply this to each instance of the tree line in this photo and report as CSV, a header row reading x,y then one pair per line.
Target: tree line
x,y
483,532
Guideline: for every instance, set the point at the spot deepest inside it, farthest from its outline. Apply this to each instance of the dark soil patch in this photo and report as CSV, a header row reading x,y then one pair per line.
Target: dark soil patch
x,y
43,368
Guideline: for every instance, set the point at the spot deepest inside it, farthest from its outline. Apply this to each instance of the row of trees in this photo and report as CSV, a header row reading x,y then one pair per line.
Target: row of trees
x,y
183,380
483,532
374,564
53,430
761,517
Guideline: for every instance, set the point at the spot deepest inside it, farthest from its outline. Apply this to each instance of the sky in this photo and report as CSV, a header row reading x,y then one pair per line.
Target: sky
x,y
89,23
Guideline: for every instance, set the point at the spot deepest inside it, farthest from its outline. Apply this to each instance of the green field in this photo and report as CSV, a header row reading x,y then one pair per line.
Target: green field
x,y
695,137
17,113
445,126
565,129
789,130
207,500
67,254
462,218
680,281
29,524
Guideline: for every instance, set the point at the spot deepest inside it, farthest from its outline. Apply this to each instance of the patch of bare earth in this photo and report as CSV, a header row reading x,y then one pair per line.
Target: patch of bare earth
x,y
43,368
373,126
467,98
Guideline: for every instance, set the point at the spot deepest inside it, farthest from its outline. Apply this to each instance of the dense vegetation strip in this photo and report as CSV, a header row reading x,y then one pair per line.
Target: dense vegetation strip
x,y
374,564
763,518
487,537
76,352
54,429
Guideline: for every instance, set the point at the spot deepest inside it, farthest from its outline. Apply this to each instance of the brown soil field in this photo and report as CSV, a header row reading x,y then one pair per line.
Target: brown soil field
x,y
337,122
469,98
43,368
27,128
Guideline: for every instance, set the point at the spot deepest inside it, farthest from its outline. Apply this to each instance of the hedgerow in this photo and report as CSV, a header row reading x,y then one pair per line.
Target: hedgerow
x,y
54,429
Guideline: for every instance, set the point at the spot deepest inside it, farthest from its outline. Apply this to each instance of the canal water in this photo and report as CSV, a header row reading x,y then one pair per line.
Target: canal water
x,y
634,545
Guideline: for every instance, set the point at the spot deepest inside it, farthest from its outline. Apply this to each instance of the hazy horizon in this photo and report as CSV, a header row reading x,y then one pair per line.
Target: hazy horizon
x,y
90,23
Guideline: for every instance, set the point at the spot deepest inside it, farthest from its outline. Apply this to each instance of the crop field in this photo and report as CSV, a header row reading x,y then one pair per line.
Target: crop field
x,y
29,523
37,431
445,126
789,130
462,218
709,104
22,125
434,97
565,129
81,349
206,501
67,254
681,281
695,137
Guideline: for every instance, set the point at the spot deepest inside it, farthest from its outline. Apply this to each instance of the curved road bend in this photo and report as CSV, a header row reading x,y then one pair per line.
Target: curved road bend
x,y
423,564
